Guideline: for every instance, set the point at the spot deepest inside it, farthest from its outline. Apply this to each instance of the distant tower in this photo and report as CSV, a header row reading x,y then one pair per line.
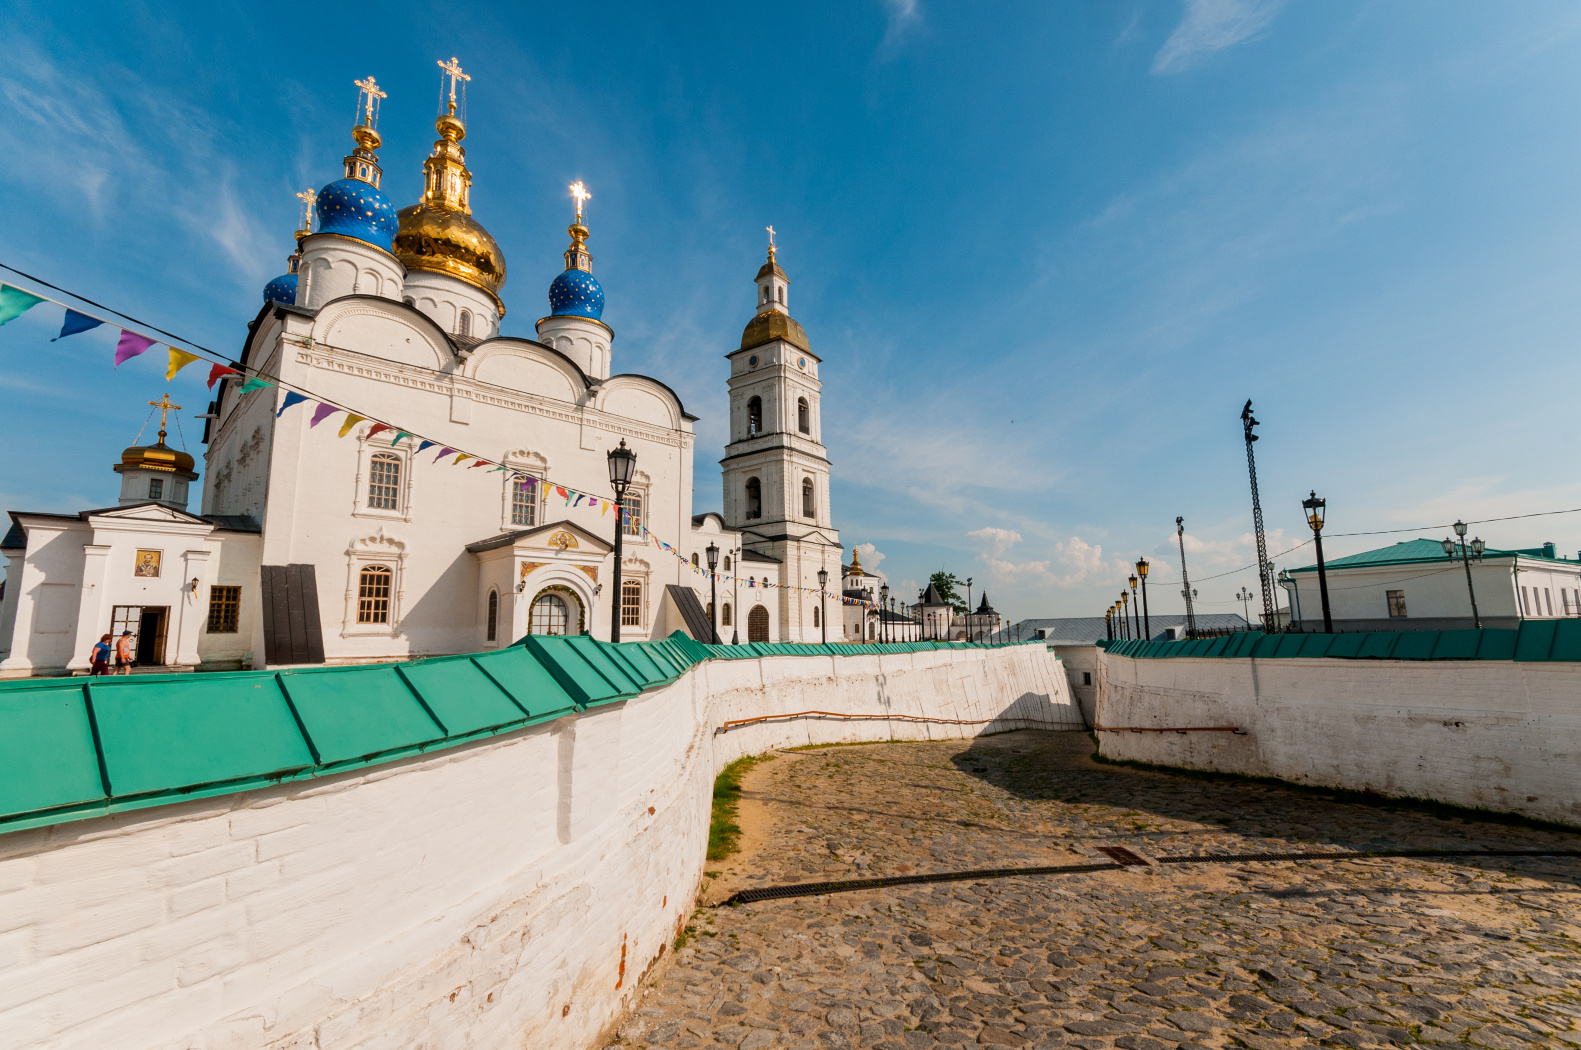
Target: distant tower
x,y
350,253
575,324
776,470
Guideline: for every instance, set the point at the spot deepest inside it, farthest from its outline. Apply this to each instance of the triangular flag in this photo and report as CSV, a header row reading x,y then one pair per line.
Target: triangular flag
x,y
258,384
14,302
396,440
322,412
179,359
561,492
426,444
480,463
464,455
443,452
376,428
291,397
352,419
605,510
129,346
76,322
220,370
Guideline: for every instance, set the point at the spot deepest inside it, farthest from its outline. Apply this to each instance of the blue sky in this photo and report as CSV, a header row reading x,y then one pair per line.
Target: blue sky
x,y
1046,251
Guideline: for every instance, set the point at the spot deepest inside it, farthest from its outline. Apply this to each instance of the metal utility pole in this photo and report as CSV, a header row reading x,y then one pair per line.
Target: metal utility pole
x,y
1185,581
1264,576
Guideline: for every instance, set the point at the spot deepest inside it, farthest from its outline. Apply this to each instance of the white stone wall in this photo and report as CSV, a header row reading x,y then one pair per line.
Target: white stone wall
x,y
505,894
1493,734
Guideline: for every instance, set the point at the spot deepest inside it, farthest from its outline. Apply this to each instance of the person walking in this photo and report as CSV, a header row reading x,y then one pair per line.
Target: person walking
x,y
101,657
124,656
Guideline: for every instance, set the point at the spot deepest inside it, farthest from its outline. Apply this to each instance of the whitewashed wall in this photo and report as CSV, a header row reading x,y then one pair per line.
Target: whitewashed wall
x,y
488,896
1493,734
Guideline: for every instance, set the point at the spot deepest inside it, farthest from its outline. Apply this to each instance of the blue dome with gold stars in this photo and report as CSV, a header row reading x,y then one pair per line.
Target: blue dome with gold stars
x,y
281,290
353,208
576,293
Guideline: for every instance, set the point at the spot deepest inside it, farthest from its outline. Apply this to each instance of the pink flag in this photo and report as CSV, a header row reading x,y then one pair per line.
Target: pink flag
x,y
321,413
130,345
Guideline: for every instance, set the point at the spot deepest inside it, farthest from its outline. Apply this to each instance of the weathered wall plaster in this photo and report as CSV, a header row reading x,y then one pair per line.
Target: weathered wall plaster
x,y
482,897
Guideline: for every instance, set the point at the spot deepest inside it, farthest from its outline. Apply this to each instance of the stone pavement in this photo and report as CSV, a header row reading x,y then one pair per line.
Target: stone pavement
x,y
1352,954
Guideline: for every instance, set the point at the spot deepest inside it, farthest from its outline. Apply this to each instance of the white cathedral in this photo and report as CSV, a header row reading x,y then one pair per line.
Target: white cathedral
x,y
310,549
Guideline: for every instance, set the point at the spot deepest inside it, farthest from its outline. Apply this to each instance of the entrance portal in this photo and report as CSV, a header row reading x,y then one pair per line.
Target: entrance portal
x,y
148,624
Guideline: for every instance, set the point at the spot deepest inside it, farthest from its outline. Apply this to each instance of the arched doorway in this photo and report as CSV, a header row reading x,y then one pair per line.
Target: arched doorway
x,y
758,624
556,610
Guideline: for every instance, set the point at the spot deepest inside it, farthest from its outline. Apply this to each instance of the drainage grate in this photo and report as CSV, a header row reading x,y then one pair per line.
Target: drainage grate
x,y
1123,858
1121,855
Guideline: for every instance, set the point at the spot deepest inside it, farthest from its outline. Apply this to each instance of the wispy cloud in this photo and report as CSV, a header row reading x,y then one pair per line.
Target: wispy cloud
x,y
1209,26
905,18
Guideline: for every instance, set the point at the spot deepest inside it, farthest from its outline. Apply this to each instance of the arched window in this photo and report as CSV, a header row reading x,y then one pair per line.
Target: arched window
x,y
409,301
549,615
524,503
782,297
803,416
494,615
754,498
815,622
465,327
384,482
724,617
631,603
727,563
373,594
694,561
758,624
755,415
809,502
870,630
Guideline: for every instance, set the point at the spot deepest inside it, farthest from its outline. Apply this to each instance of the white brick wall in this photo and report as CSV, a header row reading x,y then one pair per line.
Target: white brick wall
x,y
475,898
1493,734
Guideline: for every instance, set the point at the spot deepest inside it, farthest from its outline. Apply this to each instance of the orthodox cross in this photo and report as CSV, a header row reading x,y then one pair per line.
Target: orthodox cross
x,y
452,69
308,198
164,405
579,191
771,239
370,88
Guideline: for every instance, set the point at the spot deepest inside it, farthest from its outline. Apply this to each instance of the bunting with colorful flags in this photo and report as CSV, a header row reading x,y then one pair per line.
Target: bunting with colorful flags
x,y
14,302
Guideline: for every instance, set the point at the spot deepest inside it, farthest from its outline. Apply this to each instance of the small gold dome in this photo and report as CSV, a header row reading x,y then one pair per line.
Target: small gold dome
x,y
158,456
770,325
438,233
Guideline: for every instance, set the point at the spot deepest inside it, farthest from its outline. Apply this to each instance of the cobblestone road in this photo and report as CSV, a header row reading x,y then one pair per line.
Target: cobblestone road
x,y
1353,953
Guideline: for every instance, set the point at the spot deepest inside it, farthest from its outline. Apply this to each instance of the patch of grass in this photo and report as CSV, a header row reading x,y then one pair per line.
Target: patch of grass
x,y
724,834
854,743
1442,810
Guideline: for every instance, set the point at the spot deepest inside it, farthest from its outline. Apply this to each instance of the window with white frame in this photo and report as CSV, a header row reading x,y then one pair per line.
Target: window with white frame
x,y
384,481
632,522
631,603
373,594
524,502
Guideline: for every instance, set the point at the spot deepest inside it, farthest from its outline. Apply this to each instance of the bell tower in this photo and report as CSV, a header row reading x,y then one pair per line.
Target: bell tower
x,y
776,469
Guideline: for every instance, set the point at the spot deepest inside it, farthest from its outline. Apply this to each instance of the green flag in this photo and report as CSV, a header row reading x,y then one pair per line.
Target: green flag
x,y
254,384
14,302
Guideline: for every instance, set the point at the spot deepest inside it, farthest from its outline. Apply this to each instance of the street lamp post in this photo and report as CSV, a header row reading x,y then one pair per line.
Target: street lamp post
x,y
1185,581
1108,624
735,595
622,463
1468,551
1315,510
968,608
823,602
712,551
1246,596
1136,608
883,612
1147,624
1125,612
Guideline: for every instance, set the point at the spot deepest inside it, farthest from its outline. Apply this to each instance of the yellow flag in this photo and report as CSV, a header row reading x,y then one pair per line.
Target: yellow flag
x,y
179,359
605,510
459,458
351,421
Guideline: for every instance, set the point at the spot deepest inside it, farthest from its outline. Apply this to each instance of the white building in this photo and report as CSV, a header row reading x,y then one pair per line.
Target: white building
x,y
1414,586
312,547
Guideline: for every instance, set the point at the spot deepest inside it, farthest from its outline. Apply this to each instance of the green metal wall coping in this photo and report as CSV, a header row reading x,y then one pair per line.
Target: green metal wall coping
x,y
73,748
1542,641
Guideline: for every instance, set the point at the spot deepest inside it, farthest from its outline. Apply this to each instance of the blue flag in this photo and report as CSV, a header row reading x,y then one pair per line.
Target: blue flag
x,y
75,323
291,398
426,444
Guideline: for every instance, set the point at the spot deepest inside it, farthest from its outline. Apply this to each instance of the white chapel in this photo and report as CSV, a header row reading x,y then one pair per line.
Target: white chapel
x,y
308,547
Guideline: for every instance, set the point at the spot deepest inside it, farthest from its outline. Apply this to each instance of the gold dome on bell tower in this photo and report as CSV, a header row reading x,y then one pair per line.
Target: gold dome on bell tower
x,y
438,233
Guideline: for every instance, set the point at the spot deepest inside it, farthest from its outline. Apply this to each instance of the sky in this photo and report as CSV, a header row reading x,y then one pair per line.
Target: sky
x,y
1046,251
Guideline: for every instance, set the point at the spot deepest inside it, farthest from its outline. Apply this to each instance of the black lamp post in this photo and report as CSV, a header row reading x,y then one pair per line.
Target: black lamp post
x,y
823,602
735,595
968,608
1108,624
1315,509
713,590
1468,551
1147,624
1125,612
622,463
1245,596
883,612
1136,607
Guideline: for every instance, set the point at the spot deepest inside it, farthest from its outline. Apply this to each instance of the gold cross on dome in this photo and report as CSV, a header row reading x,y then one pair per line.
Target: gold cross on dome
x,y
164,405
579,191
308,198
771,237
370,88
452,69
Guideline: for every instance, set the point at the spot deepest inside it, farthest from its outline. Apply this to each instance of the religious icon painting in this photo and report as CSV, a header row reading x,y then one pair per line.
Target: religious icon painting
x,y
147,564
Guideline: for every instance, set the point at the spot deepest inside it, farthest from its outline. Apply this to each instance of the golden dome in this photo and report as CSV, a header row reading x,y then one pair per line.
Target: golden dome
x,y
158,456
439,234
770,325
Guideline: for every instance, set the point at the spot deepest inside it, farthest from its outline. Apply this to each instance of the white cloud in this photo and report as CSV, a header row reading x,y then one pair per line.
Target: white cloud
x,y
1076,563
1209,26
996,541
905,17
872,558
